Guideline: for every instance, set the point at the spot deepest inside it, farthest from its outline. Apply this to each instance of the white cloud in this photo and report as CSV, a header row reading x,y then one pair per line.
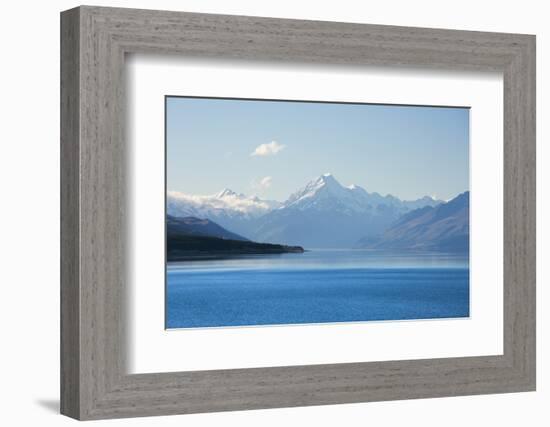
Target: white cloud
x,y
268,149
262,184
266,182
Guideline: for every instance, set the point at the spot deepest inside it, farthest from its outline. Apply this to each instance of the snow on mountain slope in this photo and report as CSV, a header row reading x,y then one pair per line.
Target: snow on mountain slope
x,y
231,210
226,201
326,193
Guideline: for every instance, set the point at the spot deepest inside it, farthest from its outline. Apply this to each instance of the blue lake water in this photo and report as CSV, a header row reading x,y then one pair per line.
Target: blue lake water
x,y
320,286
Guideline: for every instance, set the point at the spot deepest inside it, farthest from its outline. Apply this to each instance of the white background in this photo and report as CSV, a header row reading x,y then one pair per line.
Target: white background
x,y
152,349
29,222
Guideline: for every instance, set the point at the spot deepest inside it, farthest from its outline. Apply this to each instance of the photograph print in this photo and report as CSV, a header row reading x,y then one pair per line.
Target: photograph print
x,y
298,212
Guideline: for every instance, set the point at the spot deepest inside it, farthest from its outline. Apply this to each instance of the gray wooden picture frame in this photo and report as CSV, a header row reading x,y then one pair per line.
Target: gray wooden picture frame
x,y
94,381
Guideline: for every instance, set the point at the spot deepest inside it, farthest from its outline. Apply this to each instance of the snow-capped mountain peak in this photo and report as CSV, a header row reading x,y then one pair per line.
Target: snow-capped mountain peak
x,y
324,184
326,193
226,192
231,210
327,179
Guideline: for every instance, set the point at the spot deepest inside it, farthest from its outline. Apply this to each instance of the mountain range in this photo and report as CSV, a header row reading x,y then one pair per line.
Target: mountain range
x,y
322,214
327,214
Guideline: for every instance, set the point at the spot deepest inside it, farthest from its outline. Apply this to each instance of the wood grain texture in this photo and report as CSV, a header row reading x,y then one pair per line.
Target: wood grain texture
x,y
70,221
95,383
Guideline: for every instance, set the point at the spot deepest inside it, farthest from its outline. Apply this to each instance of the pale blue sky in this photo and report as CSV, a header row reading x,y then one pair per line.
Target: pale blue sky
x,y
406,151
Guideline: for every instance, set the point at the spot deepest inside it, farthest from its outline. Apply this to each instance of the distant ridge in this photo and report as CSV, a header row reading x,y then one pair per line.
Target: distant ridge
x,y
193,238
444,228
199,227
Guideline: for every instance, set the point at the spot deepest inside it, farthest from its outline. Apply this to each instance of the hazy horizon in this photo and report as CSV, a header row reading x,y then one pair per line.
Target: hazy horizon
x,y
273,148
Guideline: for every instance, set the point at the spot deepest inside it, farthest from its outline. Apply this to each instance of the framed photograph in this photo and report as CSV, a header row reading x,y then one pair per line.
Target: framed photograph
x,y
262,213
